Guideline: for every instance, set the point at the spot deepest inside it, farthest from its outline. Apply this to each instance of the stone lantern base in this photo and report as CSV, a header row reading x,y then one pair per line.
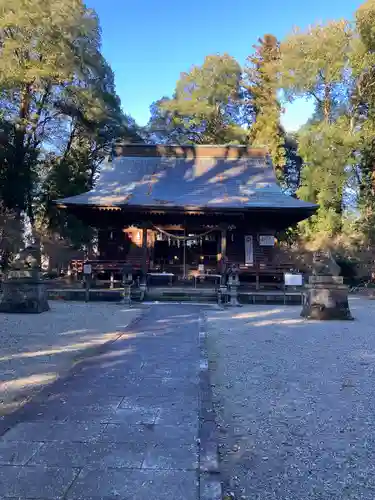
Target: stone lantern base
x,y
23,292
326,298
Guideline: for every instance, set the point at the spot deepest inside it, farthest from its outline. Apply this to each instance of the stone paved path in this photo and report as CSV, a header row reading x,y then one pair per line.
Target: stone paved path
x,y
36,349
124,426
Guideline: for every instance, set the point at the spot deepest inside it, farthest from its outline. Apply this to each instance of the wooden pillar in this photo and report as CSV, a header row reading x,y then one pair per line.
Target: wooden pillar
x,y
144,253
223,247
184,254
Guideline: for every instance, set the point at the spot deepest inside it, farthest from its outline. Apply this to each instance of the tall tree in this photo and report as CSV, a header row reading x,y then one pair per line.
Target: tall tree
x,y
44,45
73,167
327,152
10,235
317,64
60,108
261,83
363,99
291,174
206,105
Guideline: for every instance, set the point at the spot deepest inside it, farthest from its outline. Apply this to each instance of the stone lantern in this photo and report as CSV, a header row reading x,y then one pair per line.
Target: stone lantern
x,y
233,283
326,296
23,289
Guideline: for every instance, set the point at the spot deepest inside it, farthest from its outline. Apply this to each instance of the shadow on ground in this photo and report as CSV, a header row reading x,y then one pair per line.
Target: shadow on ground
x,y
36,349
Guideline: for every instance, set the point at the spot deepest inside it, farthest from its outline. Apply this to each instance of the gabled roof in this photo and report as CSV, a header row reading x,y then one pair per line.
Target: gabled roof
x,y
185,177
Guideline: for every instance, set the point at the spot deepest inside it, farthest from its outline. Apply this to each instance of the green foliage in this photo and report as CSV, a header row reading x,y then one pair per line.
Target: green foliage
x,y
291,173
205,108
330,64
60,111
10,235
47,49
315,64
261,82
365,24
327,152
59,114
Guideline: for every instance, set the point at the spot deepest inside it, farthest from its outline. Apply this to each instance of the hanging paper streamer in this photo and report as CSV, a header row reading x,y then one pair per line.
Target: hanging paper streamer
x,y
184,238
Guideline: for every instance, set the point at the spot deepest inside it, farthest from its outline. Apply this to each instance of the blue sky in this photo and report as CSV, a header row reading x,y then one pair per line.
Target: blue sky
x,y
149,43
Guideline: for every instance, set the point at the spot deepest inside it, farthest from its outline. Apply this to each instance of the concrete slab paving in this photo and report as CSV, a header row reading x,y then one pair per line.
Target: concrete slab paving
x,y
110,484
81,454
124,426
17,452
171,456
44,431
36,481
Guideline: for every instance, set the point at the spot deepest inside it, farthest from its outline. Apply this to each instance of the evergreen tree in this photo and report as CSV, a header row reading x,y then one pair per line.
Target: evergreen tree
x,y
261,83
205,108
291,175
363,98
317,64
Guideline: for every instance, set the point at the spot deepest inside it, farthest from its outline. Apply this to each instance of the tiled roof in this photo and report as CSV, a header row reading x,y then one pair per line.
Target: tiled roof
x,y
188,182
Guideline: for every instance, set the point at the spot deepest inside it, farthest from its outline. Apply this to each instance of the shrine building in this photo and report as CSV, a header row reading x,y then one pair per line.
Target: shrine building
x,y
180,211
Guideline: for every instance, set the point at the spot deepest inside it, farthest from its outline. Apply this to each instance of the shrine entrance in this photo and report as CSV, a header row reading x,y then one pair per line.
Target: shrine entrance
x,y
185,251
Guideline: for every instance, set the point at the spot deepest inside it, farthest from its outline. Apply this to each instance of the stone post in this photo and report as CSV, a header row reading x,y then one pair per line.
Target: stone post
x,y
127,282
24,292
326,298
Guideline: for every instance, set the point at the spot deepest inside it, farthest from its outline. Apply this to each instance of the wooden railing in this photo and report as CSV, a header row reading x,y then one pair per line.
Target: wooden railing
x,y
107,265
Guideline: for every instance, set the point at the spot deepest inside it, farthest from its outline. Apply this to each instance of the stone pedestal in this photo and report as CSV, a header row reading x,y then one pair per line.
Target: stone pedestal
x,y
326,298
143,290
127,282
23,292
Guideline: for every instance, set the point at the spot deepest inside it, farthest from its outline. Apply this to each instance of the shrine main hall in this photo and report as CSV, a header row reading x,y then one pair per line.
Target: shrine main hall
x,y
184,211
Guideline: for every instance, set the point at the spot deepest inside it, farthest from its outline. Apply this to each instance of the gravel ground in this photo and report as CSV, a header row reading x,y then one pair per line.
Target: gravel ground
x,y
34,349
295,403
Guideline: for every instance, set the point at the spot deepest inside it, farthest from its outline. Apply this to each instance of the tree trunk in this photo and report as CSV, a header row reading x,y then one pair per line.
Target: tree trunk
x,y
327,105
20,147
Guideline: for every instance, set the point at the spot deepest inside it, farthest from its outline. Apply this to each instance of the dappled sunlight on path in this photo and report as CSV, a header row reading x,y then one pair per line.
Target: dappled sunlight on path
x,y
124,424
35,349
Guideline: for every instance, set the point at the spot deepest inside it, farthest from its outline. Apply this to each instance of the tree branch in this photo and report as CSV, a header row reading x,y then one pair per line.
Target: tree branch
x,y
38,114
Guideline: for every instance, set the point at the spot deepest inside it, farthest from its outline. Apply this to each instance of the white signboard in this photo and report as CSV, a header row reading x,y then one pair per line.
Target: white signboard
x,y
293,279
249,250
87,269
201,268
266,240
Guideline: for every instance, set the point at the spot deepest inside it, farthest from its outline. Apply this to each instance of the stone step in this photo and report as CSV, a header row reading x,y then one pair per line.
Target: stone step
x,y
178,295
